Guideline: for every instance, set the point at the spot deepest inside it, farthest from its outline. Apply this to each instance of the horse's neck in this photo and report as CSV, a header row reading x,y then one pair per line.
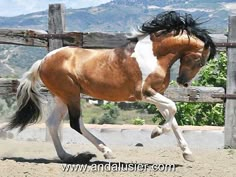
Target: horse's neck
x,y
170,49
143,51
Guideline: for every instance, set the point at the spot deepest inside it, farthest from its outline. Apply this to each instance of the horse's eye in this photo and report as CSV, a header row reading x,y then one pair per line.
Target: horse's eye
x,y
199,62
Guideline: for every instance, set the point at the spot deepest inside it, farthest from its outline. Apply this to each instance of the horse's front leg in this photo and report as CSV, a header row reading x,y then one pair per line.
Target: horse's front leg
x,y
168,109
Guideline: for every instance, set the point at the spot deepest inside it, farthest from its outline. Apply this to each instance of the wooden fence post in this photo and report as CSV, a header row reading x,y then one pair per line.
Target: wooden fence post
x,y
56,25
230,110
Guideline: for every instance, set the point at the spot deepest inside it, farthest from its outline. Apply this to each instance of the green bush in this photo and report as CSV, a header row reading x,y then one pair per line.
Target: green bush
x,y
213,74
111,114
107,106
138,121
106,119
200,114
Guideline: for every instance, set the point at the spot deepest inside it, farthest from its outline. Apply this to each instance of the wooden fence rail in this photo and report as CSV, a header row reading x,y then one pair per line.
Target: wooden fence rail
x,y
40,38
57,37
178,94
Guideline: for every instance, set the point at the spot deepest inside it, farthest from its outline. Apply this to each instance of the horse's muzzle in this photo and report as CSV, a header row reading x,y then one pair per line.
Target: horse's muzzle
x,y
182,82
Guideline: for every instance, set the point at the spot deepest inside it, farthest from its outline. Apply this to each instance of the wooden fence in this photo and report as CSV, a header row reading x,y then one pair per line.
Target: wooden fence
x,y
56,37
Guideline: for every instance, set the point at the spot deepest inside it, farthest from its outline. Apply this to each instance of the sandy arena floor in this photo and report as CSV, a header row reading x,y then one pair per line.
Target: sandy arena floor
x,y
25,158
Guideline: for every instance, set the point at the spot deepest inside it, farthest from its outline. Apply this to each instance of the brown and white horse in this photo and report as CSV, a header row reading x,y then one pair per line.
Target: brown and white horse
x,y
138,71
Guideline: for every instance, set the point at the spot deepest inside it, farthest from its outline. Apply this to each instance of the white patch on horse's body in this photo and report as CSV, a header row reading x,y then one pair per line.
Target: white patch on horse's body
x,y
143,52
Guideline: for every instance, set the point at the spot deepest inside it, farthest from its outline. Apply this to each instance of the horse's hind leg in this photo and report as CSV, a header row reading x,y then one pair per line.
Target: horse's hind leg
x,y
76,122
107,152
53,124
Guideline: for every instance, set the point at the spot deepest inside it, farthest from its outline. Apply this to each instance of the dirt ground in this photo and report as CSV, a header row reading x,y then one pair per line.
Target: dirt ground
x,y
25,158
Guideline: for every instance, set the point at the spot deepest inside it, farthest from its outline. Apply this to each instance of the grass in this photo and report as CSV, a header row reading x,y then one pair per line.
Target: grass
x,y
91,111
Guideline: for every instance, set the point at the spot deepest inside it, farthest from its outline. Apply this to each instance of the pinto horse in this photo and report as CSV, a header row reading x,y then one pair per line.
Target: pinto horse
x,y
137,71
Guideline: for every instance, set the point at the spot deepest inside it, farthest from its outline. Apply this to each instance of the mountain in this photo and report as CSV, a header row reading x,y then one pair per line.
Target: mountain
x,y
115,16
121,15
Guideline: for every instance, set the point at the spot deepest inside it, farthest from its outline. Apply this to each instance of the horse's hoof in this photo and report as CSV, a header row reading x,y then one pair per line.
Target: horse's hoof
x,y
81,158
108,156
157,131
188,157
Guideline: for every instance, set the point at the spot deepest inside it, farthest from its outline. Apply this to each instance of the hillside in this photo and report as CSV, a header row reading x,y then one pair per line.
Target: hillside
x,y
115,16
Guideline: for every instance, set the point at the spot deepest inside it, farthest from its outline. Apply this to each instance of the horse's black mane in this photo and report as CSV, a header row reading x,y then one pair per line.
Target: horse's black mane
x,y
172,21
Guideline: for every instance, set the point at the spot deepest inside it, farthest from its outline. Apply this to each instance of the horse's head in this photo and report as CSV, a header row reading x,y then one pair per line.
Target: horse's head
x,y
193,58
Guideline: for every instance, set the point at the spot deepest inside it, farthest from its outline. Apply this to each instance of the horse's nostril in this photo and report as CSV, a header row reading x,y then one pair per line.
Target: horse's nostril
x,y
186,85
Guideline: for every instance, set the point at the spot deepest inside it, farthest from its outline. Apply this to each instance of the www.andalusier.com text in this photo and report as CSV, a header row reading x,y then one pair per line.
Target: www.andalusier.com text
x,y
118,167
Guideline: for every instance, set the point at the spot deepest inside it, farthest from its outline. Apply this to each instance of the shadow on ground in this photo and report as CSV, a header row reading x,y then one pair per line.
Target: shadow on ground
x,y
89,163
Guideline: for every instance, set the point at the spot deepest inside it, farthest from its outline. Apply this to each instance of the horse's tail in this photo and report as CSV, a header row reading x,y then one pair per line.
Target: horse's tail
x,y
28,99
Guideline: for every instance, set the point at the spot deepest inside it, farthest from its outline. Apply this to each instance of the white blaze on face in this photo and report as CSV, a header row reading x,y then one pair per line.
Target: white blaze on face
x,y
143,52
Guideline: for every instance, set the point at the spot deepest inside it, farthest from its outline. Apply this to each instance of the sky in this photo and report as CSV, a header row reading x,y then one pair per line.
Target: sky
x,y
11,8
17,7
